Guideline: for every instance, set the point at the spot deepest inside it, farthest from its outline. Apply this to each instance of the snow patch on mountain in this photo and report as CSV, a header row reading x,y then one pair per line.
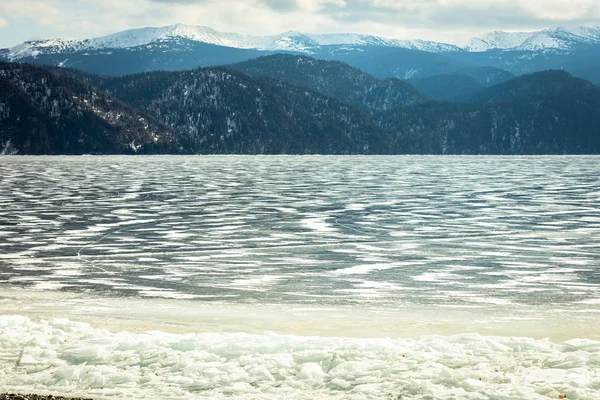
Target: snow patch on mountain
x,y
33,48
562,39
340,39
498,40
288,41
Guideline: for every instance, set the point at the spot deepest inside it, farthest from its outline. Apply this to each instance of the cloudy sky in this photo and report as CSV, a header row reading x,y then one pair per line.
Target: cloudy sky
x,y
442,20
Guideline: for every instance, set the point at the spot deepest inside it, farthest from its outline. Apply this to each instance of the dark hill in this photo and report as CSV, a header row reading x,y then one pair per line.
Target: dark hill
x,y
225,111
169,55
220,110
335,79
453,88
536,86
41,113
544,113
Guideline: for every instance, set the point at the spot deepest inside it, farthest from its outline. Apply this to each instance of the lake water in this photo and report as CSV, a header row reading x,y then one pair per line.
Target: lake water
x,y
346,262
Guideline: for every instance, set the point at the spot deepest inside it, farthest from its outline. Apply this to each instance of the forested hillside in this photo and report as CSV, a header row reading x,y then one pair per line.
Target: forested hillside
x,y
544,113
41,113
223,111
314,107
335,79
452,88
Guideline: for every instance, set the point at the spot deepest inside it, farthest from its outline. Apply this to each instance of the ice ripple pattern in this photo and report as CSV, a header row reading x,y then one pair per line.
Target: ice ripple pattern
x,y
456,231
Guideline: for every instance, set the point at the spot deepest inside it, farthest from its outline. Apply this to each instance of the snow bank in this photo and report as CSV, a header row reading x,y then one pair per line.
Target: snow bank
x,y
65,357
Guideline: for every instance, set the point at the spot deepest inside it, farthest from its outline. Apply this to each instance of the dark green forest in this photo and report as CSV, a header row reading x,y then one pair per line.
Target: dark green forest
x,y
286,104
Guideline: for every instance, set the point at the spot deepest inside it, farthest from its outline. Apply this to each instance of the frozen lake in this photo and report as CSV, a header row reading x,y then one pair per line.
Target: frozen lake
x,y
355,247
314,230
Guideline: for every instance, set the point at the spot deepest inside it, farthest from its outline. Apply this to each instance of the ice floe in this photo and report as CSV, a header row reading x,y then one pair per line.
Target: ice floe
x,y
65,357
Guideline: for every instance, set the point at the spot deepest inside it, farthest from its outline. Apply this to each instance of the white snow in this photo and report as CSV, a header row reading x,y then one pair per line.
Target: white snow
x,y
288,41
548,39
34,48
498,40
562,39
355,39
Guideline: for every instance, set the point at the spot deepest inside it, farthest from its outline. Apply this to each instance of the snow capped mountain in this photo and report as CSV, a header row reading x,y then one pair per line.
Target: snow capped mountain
x,y
354,39
174,37
288,41
144,36
33,48
549,39
497,40
562,39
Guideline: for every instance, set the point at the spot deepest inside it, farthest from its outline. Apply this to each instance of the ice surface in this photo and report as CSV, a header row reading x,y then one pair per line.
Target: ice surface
x,y
359,248
521,231
65,357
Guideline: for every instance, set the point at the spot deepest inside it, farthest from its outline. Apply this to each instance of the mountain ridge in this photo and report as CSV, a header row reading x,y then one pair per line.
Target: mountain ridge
x,y
42,113
287,41
549,112
335,79
182,47
222,111
558,39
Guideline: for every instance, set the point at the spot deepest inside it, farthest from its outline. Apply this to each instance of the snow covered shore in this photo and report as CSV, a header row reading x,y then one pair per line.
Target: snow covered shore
x,y
76,359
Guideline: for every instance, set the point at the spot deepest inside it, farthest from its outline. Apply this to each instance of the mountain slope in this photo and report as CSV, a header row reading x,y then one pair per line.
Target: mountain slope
x,y
497,40
386,62
583,62
335,79
176,55
404,64
452,88
562,39
218,110
287,41
223,111
557,39
546,84
41,113
487,76
490,59
535,114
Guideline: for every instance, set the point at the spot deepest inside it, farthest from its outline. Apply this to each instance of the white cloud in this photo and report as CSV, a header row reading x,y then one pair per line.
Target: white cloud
x,y
443,20
561,10
38,10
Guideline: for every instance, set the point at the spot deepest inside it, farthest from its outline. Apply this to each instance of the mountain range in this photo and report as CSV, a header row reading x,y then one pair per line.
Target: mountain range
x,y
335,79
490,59
558,39
186,89
288,41
548,39
292,104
